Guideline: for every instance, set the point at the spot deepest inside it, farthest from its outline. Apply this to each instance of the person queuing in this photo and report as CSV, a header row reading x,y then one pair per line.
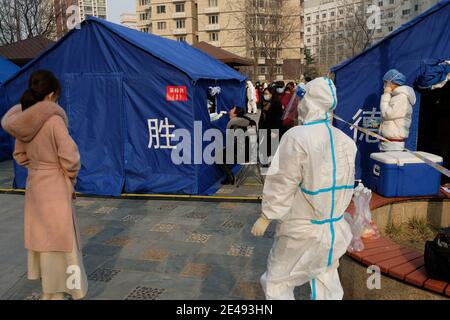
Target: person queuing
x,y
252,107
270,119
45,148
238,120
289,100
396,110
308,188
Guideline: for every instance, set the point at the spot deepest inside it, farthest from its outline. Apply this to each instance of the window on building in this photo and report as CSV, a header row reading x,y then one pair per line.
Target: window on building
x,y
181,23
416,7
332,13
308,29
406,12
162,25
308,40
160,9
144,16
212,3
324,15
308,18
179,7
262,70
391,28
214,36
341,11
380,3
214,19
391,1
146,30
181,39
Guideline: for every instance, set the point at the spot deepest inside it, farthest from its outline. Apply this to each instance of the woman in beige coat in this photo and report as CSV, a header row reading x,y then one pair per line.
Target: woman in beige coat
x,y
45,148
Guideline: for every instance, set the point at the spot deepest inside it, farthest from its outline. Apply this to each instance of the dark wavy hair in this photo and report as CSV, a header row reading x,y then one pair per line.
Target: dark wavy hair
x,y
40,85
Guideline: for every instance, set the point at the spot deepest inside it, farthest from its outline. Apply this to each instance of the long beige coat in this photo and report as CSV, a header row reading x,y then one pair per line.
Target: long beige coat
x,y
44,146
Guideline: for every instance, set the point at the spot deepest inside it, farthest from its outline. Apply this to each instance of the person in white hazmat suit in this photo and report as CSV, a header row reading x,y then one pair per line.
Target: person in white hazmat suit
x,y
307,190
396,110
252,106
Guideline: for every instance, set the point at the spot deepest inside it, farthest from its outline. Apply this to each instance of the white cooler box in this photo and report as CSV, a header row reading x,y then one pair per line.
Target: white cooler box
x,y
401,174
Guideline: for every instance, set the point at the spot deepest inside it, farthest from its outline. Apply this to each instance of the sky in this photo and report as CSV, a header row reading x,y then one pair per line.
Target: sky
x,y
117,7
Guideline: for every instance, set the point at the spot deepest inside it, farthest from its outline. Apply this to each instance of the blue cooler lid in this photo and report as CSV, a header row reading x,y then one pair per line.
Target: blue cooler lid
x,y
401,157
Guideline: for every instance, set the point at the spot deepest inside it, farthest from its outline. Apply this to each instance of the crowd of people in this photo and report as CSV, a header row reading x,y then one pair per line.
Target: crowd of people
x,y
313,156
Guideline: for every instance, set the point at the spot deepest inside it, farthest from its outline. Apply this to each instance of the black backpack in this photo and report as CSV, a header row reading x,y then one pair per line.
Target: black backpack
x,y
437,256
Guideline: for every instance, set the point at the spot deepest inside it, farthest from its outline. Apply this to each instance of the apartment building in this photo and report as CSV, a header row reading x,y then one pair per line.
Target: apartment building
x,y
330,28
172,19
129,20
221,23
97,8
144,16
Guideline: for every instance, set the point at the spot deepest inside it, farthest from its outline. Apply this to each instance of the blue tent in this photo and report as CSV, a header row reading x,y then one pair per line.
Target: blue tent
x,y
125,92
359,80
7,69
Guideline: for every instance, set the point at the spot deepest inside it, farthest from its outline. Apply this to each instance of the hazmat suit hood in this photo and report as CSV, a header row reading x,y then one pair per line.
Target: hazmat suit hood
x,y
407,91
320,99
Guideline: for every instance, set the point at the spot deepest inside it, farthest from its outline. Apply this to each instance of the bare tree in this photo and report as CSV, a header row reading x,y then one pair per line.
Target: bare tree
x,y
269,27
359,35
345,38
22,19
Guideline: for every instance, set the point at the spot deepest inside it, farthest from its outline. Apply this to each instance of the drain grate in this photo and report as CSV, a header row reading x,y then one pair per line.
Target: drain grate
x,y
163,227
131,218
33,296
103,274
197,215
105,210
145,293
232,224
241,251
198,237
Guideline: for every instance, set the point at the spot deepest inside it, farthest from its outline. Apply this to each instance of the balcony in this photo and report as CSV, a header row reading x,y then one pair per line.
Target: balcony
x,y
212,27
178,32
178,15
280,61
261,60
212,10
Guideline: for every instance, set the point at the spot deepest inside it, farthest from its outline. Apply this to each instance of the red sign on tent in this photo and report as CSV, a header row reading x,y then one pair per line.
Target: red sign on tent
x,y
174,93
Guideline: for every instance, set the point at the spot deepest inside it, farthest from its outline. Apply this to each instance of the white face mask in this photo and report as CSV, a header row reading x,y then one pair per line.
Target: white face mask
x,y
280,90
267,97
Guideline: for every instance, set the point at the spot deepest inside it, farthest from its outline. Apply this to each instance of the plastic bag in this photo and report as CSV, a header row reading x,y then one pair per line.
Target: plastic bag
x,y
361,224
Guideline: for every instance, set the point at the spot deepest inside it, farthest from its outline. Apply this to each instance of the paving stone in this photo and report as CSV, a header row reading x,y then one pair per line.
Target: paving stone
x,y
155,255
103,274
196,270
240,251
90,231
249,291
145,293
84,203
119,241
227,205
